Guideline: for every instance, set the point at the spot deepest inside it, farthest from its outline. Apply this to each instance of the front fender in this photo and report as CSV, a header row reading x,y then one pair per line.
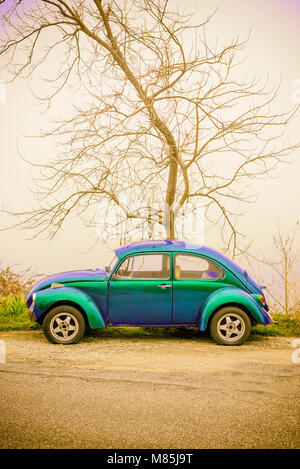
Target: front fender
x,y
228,295
51,296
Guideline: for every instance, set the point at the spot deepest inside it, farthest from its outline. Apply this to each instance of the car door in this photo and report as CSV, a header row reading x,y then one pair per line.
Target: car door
x,y
140,290
195,277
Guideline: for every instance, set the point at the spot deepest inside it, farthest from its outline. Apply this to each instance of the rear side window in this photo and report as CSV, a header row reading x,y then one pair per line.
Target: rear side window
x,y
145,267
191,267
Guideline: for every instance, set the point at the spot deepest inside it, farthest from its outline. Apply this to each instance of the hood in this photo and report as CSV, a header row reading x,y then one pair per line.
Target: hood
x,y
90,275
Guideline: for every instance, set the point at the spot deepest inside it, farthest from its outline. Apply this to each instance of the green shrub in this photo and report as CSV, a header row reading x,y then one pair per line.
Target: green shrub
x,y
285,325
14,314
14,286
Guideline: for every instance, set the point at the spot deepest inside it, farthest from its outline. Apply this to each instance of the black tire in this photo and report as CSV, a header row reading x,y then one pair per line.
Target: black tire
x,y
64,324
230,326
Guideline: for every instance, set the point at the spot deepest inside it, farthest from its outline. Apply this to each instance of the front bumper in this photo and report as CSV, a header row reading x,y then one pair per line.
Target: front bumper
x,y
30,301
31,316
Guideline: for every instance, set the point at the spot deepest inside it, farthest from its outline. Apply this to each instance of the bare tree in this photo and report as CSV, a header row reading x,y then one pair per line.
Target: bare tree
x,y
157,115
284,288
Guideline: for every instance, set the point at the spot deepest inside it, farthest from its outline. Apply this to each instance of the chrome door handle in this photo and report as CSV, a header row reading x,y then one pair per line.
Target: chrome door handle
x,y
164,285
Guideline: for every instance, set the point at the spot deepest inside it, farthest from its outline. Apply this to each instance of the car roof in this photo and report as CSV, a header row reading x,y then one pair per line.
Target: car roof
x,y
178,246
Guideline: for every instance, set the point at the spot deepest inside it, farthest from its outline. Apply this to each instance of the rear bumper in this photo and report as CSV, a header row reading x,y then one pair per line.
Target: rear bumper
x,y
268,318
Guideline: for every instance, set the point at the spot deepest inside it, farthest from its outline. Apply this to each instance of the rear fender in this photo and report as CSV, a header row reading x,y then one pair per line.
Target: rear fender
x,y
50,297
229,295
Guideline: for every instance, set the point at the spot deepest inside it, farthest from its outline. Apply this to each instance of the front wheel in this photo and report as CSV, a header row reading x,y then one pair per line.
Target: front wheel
x,y
230,326
64,325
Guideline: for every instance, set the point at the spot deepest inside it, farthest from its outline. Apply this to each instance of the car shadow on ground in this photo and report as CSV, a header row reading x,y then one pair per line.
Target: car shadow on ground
x,y
154,333
145,333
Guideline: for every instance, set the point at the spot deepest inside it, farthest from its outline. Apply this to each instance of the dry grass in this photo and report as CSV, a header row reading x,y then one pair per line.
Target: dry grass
x,y
13,283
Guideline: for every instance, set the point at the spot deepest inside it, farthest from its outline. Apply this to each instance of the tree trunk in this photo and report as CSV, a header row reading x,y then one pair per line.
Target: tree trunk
x,y
286,285
172,225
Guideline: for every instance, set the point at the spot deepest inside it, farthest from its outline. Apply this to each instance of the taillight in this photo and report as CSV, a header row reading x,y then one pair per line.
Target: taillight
x,y
262,299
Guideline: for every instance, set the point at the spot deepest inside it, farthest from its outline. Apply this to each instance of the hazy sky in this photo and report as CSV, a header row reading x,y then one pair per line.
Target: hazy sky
x,y
273,50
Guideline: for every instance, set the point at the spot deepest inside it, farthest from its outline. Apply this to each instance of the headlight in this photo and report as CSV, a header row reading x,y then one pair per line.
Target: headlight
x,y
33,301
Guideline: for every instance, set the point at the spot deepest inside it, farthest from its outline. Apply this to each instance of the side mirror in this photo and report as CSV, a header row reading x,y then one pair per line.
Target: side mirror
x,y
114,276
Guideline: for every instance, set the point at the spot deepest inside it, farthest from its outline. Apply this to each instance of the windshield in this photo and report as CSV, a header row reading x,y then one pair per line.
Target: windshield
x,y
112,263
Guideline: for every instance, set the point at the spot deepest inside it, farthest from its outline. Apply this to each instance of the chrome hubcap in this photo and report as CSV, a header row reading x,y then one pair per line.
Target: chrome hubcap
x,y
64,326
231,327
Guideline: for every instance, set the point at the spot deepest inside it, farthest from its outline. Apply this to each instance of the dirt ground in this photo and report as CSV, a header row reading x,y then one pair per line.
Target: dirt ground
x,y
148,392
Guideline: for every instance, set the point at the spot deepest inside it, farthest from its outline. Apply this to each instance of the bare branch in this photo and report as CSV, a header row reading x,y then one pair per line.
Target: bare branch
x,y
156,124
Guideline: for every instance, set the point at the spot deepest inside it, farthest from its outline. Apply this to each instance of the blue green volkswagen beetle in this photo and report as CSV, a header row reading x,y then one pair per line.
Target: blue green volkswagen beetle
x,y
152,283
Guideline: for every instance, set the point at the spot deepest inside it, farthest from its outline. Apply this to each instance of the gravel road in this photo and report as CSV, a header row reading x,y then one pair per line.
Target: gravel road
x,y
148,392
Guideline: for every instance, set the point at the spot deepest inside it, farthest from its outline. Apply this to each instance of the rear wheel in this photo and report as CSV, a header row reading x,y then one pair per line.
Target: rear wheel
x,y
64,325
230,326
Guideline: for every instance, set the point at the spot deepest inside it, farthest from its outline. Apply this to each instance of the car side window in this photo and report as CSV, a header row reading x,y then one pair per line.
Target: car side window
x,y
148,266
191,267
